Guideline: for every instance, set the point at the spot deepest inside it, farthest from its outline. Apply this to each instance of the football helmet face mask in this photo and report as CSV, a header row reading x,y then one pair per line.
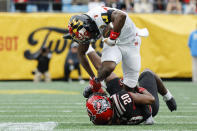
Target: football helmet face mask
x,y
82,28
99,109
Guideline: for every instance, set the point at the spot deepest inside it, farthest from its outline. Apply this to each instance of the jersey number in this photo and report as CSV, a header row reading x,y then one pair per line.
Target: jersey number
x,y
126,99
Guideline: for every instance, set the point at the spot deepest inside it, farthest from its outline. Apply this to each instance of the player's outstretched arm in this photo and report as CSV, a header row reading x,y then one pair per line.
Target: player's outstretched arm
x,y
82,48
95,59
144,97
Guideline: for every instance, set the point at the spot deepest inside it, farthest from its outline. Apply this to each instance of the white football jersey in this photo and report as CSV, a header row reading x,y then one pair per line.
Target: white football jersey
x,y
102,17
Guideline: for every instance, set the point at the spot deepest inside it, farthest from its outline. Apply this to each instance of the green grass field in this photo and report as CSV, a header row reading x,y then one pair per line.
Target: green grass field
x,y
28,106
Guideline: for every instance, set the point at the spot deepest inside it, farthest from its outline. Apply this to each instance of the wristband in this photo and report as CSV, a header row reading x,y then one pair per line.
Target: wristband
x,y
114,35
141,89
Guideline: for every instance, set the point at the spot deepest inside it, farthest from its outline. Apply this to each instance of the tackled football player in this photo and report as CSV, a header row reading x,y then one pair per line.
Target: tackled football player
x,y
123,43
125,107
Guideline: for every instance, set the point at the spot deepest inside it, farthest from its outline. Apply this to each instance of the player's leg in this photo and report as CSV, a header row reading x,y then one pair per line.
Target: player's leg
x,y
111,56
96,61
112,81
131,64
66,71
167,96
47,77
148,81
37,76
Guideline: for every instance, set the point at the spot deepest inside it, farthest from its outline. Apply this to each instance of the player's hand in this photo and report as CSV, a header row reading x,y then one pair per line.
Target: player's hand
x,y
109,41
171,104
95,84
89,90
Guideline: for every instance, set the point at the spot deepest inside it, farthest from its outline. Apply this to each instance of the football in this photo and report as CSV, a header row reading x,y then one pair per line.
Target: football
x,y
106,31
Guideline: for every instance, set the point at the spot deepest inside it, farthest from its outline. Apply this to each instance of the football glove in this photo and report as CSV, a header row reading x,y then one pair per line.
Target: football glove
x,y
89,90
171,104
109,41
95,84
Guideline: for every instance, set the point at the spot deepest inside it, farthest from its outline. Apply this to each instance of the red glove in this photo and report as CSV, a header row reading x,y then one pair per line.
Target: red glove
x,y
95,84
141,89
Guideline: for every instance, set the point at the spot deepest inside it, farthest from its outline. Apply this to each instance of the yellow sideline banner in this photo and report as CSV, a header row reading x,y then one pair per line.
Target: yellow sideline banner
x,y
165,51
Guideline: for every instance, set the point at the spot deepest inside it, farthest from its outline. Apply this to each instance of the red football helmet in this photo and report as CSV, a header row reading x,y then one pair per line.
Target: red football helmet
x,y
99,109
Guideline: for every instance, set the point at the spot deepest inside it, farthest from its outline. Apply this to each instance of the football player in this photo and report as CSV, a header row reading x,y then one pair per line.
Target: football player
x,y
124,106
123,43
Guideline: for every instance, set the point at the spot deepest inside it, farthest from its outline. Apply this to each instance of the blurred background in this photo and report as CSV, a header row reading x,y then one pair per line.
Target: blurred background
x,y
70,6
32,47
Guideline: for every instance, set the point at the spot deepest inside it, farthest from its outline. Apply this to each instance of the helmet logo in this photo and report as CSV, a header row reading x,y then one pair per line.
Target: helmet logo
x,y
77,31
101,105
90,114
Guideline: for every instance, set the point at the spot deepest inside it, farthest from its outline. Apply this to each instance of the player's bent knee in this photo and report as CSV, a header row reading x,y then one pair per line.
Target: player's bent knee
x,y
147,72
113,86
149,75
108,66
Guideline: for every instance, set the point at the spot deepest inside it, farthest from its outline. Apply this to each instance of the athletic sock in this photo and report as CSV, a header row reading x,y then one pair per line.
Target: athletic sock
x,y
167,96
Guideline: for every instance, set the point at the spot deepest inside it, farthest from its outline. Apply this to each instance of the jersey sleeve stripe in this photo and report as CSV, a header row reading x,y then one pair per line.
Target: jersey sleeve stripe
x,y
114,97
121,106
117,113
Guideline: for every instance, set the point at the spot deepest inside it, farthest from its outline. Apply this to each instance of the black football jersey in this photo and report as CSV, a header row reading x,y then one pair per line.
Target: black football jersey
x,y
127,111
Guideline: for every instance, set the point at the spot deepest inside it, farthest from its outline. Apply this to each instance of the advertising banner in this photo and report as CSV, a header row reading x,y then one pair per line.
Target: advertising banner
x,y
22,35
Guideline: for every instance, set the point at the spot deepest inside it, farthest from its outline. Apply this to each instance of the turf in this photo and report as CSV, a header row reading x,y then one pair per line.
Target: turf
x,y
63,103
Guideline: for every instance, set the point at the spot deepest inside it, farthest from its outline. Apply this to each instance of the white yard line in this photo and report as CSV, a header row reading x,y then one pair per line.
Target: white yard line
x,y
50,126
78,116
179,123
42,116
52,111
40,103
66,122
70,107
44,106
193,105
176,116
179,111
41,111
28,126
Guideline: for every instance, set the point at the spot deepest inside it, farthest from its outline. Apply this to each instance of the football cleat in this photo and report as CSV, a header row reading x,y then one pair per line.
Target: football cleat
x,y
171,104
